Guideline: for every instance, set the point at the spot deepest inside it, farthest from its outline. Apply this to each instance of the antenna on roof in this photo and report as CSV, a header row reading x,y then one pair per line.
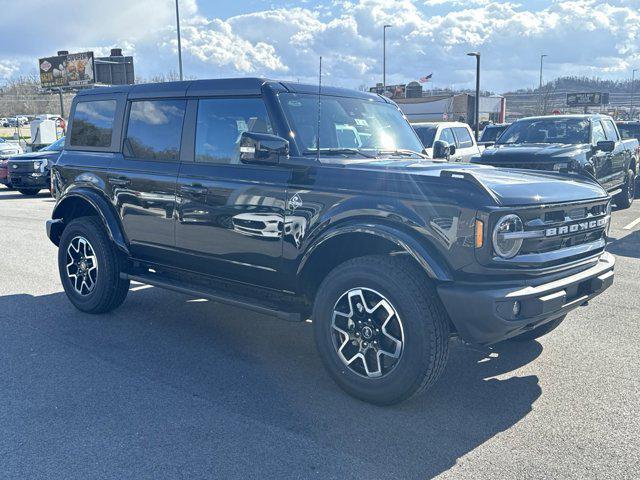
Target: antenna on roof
x,y
319,108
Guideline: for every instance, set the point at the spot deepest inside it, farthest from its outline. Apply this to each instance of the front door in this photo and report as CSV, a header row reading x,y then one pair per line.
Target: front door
x,y
601,161
143,179
230,215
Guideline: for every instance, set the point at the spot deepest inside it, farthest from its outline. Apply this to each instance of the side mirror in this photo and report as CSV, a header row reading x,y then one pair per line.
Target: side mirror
x,y
262,148
441,149
606,145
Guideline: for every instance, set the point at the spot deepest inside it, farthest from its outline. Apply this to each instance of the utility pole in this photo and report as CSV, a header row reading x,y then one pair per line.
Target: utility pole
x,y
477,104
540,87
633,91
179,42
384,58
61,102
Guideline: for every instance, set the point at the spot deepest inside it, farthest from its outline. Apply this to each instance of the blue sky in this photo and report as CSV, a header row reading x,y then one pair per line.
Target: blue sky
x,y
284,38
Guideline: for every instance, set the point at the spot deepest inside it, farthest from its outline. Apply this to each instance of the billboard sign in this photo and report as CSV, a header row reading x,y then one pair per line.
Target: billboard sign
x,y
70,70
589,99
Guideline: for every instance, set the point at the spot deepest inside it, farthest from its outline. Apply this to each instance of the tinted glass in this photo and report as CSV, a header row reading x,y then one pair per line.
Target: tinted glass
x,y
55,146
547,130
155,129
610,130
491,134
629,130
220,124
347,123
93,123
446,135
426,134
463,136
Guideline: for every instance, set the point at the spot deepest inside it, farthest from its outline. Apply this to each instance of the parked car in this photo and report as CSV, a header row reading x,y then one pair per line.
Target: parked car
x,y
31,172
459,144
7,149
390,253
491,133
629,129
586,144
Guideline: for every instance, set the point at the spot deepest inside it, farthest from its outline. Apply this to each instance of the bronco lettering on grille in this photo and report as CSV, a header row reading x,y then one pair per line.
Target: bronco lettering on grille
x,y
576,227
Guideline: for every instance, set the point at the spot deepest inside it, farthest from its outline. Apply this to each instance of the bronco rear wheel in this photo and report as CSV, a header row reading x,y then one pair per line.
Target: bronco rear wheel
x,y
90,267
380,329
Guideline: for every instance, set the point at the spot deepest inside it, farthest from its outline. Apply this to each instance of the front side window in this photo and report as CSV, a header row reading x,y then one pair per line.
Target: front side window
x,y
347,126
546,130
93,123
610,130
222,121
155,129
446,135
463,136
598,132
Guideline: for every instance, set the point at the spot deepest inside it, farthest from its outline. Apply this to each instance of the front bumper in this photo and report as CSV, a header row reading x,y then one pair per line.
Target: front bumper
x,y
26,180
483,313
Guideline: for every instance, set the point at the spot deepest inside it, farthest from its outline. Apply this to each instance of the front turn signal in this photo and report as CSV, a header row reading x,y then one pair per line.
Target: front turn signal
x,y
479,233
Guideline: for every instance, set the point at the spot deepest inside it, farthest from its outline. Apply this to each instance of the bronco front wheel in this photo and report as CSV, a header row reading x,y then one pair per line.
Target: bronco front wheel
x,y
380,329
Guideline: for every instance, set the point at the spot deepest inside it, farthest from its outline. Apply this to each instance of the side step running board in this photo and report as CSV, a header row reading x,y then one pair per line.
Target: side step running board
x,y
217,296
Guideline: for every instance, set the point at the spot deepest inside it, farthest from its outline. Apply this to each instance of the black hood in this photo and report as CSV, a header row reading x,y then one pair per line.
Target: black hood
x,y
531,153
31,156
509,187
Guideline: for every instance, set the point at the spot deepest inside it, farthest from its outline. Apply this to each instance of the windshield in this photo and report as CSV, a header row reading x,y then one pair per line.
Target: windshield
x,y
55,146
629,130
491,134
426,133
350,125
547,130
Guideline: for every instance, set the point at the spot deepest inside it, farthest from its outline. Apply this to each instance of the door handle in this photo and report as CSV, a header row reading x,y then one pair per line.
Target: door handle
x,y
119,181
194,189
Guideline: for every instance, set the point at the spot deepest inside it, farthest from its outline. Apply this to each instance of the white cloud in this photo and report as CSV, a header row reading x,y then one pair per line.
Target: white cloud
x,y
580,36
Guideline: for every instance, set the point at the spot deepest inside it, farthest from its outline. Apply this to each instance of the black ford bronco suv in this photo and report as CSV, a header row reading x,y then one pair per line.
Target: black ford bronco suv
x,y
300,203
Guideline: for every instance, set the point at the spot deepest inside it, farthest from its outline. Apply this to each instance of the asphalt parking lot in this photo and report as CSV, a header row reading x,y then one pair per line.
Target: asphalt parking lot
x,y
169,386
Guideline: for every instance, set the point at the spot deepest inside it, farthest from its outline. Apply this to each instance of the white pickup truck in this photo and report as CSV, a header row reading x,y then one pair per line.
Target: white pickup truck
x,y
460,143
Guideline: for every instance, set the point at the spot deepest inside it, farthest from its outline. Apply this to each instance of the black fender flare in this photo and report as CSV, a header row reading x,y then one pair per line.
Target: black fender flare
x,y
97,202
421,253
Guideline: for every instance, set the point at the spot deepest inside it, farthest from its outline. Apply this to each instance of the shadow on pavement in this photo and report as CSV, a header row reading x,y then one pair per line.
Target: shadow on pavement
x,y
18,196
627,246
169,371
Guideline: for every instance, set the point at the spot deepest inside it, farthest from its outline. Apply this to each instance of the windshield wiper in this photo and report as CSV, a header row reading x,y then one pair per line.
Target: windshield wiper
x,y
338,150
402,151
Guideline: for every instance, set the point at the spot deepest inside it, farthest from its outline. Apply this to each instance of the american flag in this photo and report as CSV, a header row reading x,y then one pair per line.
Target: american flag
x,y
426,78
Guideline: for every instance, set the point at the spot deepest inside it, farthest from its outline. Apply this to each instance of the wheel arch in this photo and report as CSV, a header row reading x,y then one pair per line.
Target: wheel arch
x,y
345,242
85,202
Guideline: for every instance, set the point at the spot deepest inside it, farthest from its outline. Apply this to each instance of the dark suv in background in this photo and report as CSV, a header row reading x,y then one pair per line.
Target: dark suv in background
x,y
303,204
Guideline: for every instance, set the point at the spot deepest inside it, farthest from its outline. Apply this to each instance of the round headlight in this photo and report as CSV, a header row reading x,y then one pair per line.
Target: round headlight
x,y
505,243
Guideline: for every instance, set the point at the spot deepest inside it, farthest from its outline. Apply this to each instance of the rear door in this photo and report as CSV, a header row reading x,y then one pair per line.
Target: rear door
x,y
619,156
143,179
230,215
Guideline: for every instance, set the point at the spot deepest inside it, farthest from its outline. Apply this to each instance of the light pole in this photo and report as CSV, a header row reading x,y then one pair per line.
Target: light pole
x,y
633,91
477,105
384,58
540,87
179,43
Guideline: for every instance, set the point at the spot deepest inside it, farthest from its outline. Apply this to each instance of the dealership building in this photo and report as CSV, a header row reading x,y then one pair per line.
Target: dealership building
x,y
421,106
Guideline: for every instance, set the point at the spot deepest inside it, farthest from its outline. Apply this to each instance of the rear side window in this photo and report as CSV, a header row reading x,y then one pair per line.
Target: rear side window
x,y
610,130
93,123
463,136
154,130
221,122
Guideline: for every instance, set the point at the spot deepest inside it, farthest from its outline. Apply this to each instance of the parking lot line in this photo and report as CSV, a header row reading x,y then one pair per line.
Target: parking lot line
x,y
629,226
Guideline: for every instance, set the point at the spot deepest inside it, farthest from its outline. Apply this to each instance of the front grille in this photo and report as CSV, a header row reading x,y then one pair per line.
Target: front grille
x,y
18,167
564,226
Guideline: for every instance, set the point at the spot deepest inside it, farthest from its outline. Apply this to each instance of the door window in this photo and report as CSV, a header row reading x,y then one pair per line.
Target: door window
x,y
446,135
221,122
598,132
93,123
463,136
155,129
610,130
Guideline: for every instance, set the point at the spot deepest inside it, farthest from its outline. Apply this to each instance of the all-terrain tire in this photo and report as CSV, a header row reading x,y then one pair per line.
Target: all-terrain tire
x,y
109,289
624,199
425,327
538,332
